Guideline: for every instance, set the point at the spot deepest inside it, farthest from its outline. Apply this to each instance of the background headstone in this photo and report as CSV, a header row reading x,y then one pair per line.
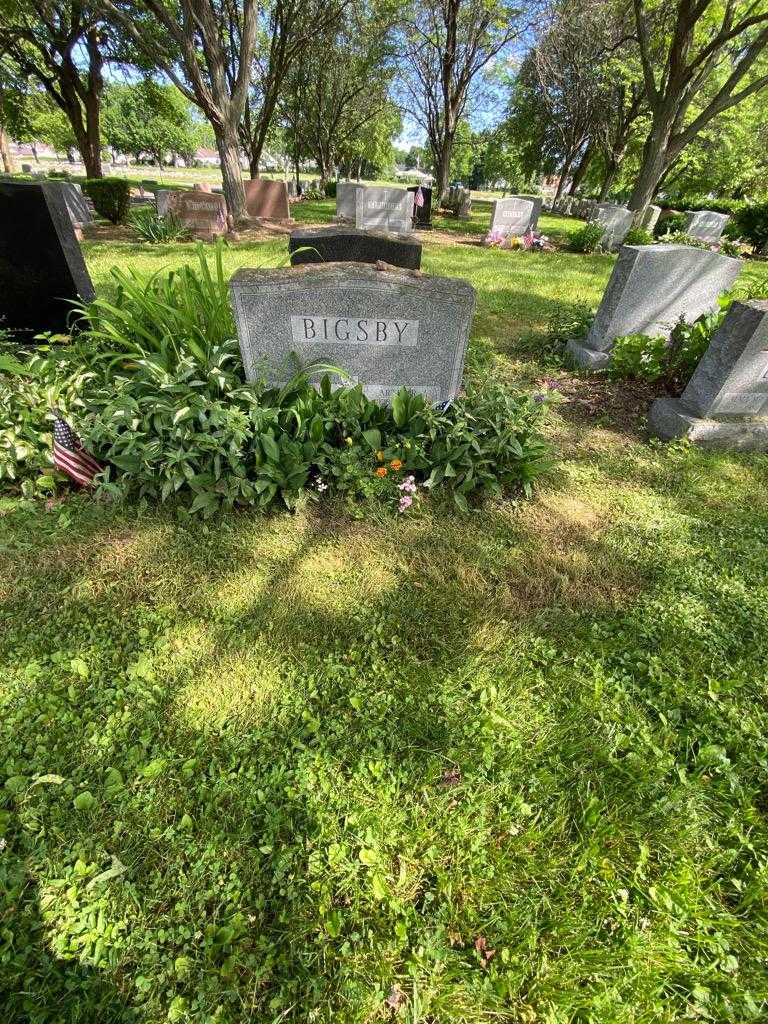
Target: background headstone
x,y
163,201
291,186
267,200
384,209
387,328
422,214
202,213
726,401
615,221
345,244
465,204
706,225
650,288
41,265
26,168
511,216
77,205
650,218
345,199
538,203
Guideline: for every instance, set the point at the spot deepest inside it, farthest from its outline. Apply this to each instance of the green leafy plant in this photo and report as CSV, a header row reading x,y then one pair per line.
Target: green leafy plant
x,y
313,194
166,318
638,236
640,356
669,224
752,224
588,238
111,197
330,189
151,227
569,320
728,247
681,238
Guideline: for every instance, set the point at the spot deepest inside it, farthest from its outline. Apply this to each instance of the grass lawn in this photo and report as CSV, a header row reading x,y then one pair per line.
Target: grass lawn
x,y
511,768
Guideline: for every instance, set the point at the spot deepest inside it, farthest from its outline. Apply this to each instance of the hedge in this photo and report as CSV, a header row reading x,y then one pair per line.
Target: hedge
x,y
111,197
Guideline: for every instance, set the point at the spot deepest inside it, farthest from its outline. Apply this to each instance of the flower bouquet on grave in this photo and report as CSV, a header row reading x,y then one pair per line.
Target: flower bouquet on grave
x,y
495,239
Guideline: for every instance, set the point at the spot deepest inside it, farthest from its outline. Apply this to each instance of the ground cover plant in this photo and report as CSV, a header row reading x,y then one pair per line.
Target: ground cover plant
x,y
421,769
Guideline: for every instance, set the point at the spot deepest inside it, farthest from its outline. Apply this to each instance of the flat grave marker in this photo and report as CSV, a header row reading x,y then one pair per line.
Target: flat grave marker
x,y
346,244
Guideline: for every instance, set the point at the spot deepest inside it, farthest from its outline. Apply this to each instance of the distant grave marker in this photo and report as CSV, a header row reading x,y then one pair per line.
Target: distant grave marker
x,y
267,200
384,209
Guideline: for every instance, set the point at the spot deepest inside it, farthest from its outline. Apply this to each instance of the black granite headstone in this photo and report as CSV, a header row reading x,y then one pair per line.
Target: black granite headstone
x,y
422,215
342,244
41,265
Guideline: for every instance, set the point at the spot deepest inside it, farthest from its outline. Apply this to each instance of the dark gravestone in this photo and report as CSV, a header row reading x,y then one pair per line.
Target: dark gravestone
x,y
422,214
355,245
41,265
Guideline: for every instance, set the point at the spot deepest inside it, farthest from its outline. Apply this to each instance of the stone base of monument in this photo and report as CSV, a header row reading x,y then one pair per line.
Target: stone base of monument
x,y
588,358
669,418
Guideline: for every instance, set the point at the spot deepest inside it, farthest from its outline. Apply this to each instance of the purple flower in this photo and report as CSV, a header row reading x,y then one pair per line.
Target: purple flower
x,y
540,398
405,502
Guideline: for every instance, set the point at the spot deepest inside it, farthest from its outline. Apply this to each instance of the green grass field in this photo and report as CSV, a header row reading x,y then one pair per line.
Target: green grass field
x,y
510,768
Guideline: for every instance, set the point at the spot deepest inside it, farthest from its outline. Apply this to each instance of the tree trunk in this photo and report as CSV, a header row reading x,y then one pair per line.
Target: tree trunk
x,y
565,170
656,159
253,164
442,173
581,170
611,170
5,151
231,173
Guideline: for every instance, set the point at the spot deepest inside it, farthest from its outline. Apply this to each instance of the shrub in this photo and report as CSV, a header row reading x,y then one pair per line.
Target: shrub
x,y
330,189
680,238
729,248
165,318
638,355
587,238
683,202
569,320
151,227
752,223
110,196
671,224
313,194
638,236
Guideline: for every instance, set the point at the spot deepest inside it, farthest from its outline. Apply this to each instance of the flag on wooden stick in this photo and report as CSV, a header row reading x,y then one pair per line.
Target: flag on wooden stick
x,y
69,455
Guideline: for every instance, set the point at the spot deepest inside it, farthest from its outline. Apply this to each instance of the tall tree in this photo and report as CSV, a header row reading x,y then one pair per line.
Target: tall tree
x,y
682,45
60,44
191,42
146,117
289,28
447,44
331,97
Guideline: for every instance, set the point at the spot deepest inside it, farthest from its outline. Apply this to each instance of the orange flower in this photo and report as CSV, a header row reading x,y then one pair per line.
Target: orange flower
x,y
396,464
381,471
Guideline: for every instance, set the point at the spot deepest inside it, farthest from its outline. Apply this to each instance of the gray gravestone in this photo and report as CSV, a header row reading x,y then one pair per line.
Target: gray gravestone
x,y
26,168
163,200
344,244
41,265
384,209
77,207
725,404
291,186
465,204
615,221
706,225
511,216
538,203
386,328
650,218
650,288
345,200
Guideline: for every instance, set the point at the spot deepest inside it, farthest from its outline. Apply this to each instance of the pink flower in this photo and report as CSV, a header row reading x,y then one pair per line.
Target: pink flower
x,y
405,502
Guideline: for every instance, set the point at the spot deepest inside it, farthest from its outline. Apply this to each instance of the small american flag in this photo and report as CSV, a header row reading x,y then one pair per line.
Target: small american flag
x,y
529,238
69,455
418,199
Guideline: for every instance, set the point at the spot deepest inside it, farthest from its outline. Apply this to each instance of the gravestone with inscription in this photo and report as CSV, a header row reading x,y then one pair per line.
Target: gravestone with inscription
x,y
725,404
650,288
341,244
705,225
538,203
386,329
345,200
41,266
511,216
204,214
267,200
384,209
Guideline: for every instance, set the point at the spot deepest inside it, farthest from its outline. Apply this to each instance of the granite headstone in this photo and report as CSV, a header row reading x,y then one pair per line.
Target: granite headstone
x,y
267,200
386,328
204,214
422,215
511,216
650,288
345,200
725,404
387,209
346,244
615,221
705,225
41,266
77,205
650,218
